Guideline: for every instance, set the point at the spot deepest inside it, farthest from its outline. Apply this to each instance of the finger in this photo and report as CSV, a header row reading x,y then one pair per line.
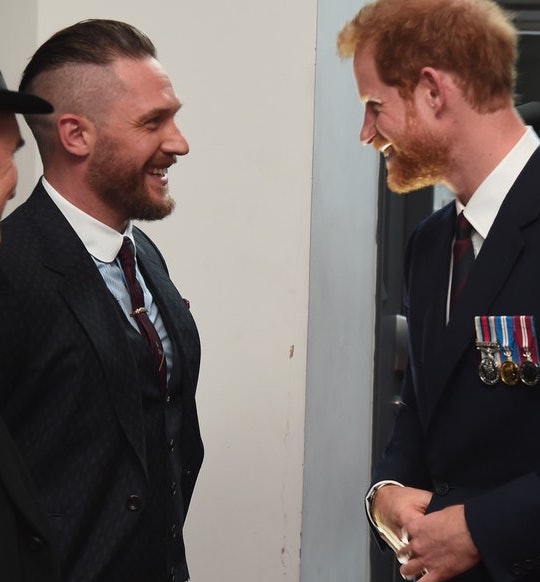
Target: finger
x,y
403,555
404,538
413,569
423,577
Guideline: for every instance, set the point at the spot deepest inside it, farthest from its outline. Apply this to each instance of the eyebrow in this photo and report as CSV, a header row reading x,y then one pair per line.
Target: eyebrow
x,y
158,111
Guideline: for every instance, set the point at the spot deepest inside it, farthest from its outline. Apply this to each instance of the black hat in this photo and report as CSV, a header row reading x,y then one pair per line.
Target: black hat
x,y
21,102
530,112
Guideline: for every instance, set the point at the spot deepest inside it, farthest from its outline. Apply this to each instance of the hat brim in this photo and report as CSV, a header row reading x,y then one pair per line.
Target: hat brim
x,y
17,102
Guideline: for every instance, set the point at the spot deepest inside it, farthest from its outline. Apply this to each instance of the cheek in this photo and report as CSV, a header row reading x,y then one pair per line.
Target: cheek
x,y
8,182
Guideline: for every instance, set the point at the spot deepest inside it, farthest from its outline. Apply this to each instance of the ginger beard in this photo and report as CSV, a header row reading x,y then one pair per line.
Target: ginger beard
x,y
123,184
416,159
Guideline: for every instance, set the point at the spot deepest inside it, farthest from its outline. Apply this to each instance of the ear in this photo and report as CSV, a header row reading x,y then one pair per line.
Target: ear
x,y
76,134
432,89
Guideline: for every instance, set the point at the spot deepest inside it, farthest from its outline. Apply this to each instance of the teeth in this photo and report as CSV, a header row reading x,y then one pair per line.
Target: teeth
x,y
158,172
384,150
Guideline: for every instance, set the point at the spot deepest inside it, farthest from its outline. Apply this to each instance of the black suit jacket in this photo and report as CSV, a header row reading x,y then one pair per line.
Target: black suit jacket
x,y
465,441
25,551
72,398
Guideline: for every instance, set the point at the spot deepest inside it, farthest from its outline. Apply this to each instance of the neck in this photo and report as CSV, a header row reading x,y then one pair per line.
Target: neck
x,y
73,189
483,141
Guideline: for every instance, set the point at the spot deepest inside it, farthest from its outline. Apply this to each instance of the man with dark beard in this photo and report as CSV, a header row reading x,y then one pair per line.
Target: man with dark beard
x,y
101,353
457,493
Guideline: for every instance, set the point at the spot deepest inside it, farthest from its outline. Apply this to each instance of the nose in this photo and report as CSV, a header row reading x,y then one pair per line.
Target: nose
x,y
174,142
368,130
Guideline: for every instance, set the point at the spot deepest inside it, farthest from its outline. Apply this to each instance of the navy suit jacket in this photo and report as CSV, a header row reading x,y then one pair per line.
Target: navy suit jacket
x,y
71,397
468,442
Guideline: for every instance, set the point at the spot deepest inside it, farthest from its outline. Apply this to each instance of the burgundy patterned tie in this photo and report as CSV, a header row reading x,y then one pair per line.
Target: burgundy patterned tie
x,y
126,255
463,257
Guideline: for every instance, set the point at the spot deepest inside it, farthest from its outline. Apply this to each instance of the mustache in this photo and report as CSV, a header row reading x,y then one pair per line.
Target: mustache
x,y
379,142
164,160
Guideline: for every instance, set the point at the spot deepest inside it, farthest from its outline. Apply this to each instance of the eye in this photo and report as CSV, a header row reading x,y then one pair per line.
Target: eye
x,y
374,106
153,122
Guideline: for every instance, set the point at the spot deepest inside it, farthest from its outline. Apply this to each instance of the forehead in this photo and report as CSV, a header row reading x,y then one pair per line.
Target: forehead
x,y
371,88
367,77
146,85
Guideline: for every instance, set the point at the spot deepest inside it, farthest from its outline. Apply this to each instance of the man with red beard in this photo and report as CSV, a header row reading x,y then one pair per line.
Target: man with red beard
x,y
457,493
101,353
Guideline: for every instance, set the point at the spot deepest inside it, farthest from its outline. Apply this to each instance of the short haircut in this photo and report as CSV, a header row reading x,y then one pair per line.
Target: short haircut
x,y
474,40
74,70
89,42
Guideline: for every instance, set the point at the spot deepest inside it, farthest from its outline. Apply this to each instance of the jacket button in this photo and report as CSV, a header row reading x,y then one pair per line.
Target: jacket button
x,y
517,570
134,503
173,488
171,445
442,488
36,543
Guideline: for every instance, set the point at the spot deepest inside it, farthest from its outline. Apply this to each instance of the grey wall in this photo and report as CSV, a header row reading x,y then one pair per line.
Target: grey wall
x,y
341,320
275,224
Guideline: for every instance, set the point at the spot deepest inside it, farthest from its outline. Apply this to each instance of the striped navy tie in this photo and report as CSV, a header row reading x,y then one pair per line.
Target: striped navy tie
x,y
463,254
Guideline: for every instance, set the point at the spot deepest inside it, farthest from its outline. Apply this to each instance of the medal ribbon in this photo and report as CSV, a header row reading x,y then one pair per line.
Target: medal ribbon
x,y
494,338
525,333
505,333
486,334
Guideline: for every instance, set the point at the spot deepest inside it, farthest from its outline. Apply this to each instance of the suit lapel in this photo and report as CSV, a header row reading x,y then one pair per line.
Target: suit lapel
x,y
85,292
437,245
428,283
491,271
168,300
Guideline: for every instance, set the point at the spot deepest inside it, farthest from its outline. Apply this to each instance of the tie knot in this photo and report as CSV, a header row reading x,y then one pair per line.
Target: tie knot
x,y
463,227
126,254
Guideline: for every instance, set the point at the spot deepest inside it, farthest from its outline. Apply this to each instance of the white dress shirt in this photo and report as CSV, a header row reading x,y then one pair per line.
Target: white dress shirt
x,y
103,243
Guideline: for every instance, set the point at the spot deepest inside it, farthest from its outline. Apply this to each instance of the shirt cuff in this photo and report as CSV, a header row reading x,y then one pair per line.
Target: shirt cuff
x,y
388,536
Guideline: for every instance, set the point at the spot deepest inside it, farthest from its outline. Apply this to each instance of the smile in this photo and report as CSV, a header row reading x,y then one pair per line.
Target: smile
x,y
159,176
387,150
162,172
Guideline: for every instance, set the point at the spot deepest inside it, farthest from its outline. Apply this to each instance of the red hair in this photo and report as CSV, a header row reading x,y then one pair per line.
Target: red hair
x,y
474,40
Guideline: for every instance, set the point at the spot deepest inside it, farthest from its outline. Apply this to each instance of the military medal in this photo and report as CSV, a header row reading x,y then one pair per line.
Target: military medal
x,y
528,370
524,331
509,349
488,369
509,370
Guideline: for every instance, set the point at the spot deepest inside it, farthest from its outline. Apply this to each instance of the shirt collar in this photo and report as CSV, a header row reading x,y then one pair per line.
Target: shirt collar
x,y
485,203
100,240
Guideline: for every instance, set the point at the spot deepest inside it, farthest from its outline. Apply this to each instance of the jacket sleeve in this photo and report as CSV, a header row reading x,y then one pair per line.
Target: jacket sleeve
x,y
504,526
403,459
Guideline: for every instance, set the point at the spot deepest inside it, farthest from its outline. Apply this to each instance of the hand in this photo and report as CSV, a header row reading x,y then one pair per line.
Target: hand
x,y
439,544
394,507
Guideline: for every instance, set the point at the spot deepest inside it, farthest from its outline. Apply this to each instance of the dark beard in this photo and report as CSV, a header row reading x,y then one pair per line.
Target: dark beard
x,y
122,186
